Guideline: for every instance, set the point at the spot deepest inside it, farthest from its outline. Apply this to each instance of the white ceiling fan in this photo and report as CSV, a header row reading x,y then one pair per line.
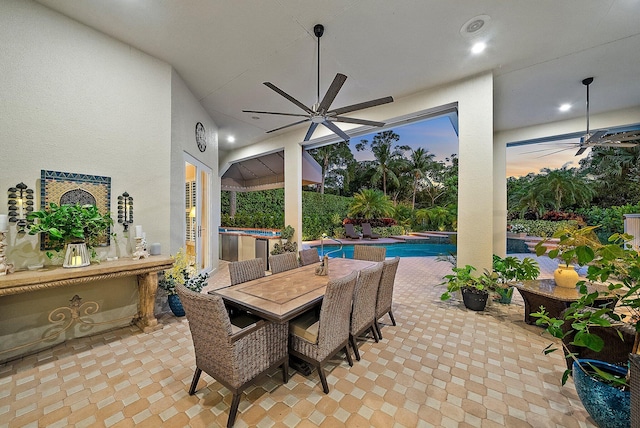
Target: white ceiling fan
x,y
319,113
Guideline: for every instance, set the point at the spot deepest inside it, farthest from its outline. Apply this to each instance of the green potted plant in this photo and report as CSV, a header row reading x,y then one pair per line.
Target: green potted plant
x,y
511,269
603,389
474,289
182,272
576,245
287,246
67,225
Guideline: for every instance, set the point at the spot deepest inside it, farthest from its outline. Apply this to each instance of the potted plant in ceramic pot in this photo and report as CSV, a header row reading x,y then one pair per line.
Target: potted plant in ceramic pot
x,y
576,245
602,387
79,228
181,273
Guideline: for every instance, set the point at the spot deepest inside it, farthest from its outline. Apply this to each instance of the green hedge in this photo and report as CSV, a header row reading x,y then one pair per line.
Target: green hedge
x,y
265,209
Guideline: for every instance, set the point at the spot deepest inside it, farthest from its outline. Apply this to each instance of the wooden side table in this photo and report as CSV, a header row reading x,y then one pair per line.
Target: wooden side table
x,y
544,292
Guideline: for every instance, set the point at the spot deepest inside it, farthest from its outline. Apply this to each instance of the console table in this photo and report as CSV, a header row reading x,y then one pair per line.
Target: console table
x,y
544,292
55,276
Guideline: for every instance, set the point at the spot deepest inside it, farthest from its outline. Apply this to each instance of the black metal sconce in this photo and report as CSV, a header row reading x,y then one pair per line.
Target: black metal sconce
x,y
125,210
20,205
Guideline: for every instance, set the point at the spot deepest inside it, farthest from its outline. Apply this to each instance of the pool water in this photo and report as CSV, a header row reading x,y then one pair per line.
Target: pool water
x,y
393,250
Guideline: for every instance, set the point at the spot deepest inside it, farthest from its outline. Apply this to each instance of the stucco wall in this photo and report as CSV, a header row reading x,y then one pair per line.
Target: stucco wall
x,y
75,100
186,111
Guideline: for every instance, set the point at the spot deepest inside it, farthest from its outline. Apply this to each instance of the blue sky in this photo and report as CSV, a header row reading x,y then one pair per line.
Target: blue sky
x,y
438,137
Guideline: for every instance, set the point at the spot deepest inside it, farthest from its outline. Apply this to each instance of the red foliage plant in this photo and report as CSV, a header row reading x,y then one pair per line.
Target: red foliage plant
x,y
559,216
374,222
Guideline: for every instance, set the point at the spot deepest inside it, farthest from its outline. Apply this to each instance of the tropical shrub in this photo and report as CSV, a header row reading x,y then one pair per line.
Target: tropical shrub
x,y
610,219
542,228
370,204
437,218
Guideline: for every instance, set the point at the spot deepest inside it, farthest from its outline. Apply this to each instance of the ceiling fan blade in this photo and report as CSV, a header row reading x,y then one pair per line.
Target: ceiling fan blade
x,y
357,121
596,136
553,153
291,124
580,151
273,112
310,132
360,106
339,132
332,92
289,97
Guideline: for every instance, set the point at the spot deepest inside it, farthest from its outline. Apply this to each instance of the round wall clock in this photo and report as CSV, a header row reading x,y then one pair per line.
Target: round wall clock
x,y
201,139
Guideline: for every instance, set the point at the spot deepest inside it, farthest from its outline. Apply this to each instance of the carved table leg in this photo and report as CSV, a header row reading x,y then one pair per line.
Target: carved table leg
x,y
147,287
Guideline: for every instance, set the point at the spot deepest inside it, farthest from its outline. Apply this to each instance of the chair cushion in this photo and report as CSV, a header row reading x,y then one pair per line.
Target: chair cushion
x,y
242,321
305,326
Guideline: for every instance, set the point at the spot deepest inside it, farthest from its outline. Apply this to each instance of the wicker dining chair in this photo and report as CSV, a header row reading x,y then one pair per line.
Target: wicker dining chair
x,y
309,257
233,356
246,270
316,339
282,262
363,313
369,253
385,292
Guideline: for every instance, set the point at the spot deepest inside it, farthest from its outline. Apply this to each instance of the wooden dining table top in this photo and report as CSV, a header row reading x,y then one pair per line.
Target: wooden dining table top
x,y
285,295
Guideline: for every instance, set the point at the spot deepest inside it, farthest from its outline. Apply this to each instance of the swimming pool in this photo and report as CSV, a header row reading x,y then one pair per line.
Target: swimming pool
x,y
409,249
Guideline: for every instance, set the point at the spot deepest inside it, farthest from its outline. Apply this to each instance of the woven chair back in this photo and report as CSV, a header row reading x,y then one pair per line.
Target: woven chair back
x,y
385,290
246,270
364,298
309,257
210,330
283,262
369,253
335,313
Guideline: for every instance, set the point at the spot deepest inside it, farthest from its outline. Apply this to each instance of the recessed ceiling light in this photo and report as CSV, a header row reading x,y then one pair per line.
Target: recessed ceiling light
x,y
478,48
565,107
231,139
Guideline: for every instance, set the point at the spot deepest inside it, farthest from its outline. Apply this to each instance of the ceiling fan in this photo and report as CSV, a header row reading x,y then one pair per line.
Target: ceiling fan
x,y
602,137
319,113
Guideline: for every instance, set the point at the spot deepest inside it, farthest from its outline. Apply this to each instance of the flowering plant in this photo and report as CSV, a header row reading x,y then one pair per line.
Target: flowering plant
x,y
182,273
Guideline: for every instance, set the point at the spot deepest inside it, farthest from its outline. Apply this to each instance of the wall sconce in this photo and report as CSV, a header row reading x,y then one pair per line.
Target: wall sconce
x,y
125,210
20,201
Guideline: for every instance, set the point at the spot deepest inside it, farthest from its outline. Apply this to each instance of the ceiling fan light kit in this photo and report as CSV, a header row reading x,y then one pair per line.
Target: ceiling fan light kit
x,y
319,113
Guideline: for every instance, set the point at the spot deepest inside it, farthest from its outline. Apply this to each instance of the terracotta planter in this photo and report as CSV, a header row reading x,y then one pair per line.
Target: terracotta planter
x,y
566,276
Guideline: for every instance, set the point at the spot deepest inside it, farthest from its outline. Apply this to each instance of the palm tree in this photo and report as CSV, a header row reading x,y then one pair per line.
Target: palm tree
x,y
562,187
370,203
332,157
419,161
387,159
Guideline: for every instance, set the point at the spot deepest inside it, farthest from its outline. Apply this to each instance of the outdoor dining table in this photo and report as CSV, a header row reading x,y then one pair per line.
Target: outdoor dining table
x,y
283,296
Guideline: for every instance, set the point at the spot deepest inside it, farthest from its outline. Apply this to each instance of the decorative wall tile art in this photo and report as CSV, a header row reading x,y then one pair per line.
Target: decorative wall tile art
x,y
71,188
